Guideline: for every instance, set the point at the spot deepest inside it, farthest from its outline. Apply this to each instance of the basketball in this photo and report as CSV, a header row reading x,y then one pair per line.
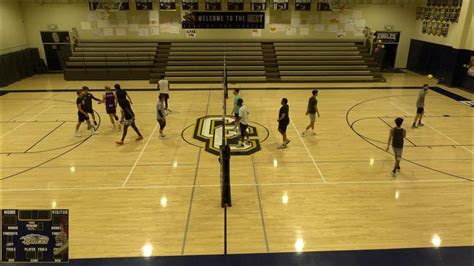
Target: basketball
x,y
430,76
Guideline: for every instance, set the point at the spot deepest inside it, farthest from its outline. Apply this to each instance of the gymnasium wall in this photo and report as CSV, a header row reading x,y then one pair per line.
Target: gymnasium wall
x,y
280,25
467,39
12,31
458,33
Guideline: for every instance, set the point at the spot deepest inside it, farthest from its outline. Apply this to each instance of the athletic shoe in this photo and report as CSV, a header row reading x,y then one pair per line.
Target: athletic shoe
x,y
420,124
162,135
282,146
241,145
414,126
94,132
287,141
394,173
77,135
398,169
248,142
139,138
119,142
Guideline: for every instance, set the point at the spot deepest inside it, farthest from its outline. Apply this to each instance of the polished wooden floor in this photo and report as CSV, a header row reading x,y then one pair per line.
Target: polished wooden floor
x,y
333,191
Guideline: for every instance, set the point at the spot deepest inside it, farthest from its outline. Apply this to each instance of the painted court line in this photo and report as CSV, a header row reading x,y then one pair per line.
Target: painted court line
x,y
186,228
262,218
22,124
234,185
455,142
309,153
436,130
139,156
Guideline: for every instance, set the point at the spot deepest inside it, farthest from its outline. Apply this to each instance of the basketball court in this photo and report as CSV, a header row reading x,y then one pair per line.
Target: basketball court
x,y
202,196
328,192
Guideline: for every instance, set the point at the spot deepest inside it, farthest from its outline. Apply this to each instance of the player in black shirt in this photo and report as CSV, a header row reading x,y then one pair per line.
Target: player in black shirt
x,y
88,102
82,114
283,121
129,115
311,111
396,137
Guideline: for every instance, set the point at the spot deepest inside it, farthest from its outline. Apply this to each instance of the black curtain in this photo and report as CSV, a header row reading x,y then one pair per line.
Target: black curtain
x,y
444,62
19,65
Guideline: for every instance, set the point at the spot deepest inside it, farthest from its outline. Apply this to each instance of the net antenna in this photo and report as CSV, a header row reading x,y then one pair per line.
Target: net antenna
x,y
226,96
105,7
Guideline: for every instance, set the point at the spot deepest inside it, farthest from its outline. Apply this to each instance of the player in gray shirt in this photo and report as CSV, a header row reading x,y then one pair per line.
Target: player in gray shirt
x,y
420,106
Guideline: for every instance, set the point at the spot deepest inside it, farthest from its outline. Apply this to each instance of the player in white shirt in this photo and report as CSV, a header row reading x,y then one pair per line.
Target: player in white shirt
x,y
243,121
163,86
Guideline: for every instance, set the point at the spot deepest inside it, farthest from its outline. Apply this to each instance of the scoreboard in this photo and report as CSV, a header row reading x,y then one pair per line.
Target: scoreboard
x,y
35,235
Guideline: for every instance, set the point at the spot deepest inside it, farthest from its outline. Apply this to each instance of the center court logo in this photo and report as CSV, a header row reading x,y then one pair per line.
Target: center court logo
x,y
208,129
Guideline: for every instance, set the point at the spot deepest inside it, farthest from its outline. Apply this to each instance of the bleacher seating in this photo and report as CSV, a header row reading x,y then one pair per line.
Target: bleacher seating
x,y
111,61
202,62
323,62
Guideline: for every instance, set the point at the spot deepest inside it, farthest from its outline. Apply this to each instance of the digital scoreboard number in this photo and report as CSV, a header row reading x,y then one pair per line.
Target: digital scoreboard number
x,y
35,236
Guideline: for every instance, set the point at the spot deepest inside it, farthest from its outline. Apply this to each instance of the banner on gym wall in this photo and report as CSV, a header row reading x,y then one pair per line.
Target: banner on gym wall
x,y
258,5
190,5
144,4
167,5
214,5
387,36
235,5
110,5
280,4
224,20
303,5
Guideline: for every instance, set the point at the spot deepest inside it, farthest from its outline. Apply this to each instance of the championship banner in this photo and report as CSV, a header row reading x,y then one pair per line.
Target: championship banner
x,y
167,4
324,5
144,4
258,5
214,5
280,4
303,5
235,5
109,4
224,20
190,5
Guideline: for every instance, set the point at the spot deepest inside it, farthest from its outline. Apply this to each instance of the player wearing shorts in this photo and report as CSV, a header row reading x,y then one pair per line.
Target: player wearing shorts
x,y
88,102
396,137
283,121
311,111
82,116
111,106
129,115
243,121
163,86
420,106
235,110
161,115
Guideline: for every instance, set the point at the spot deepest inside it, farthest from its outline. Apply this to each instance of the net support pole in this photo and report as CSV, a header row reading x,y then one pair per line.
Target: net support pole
x,y
224,157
